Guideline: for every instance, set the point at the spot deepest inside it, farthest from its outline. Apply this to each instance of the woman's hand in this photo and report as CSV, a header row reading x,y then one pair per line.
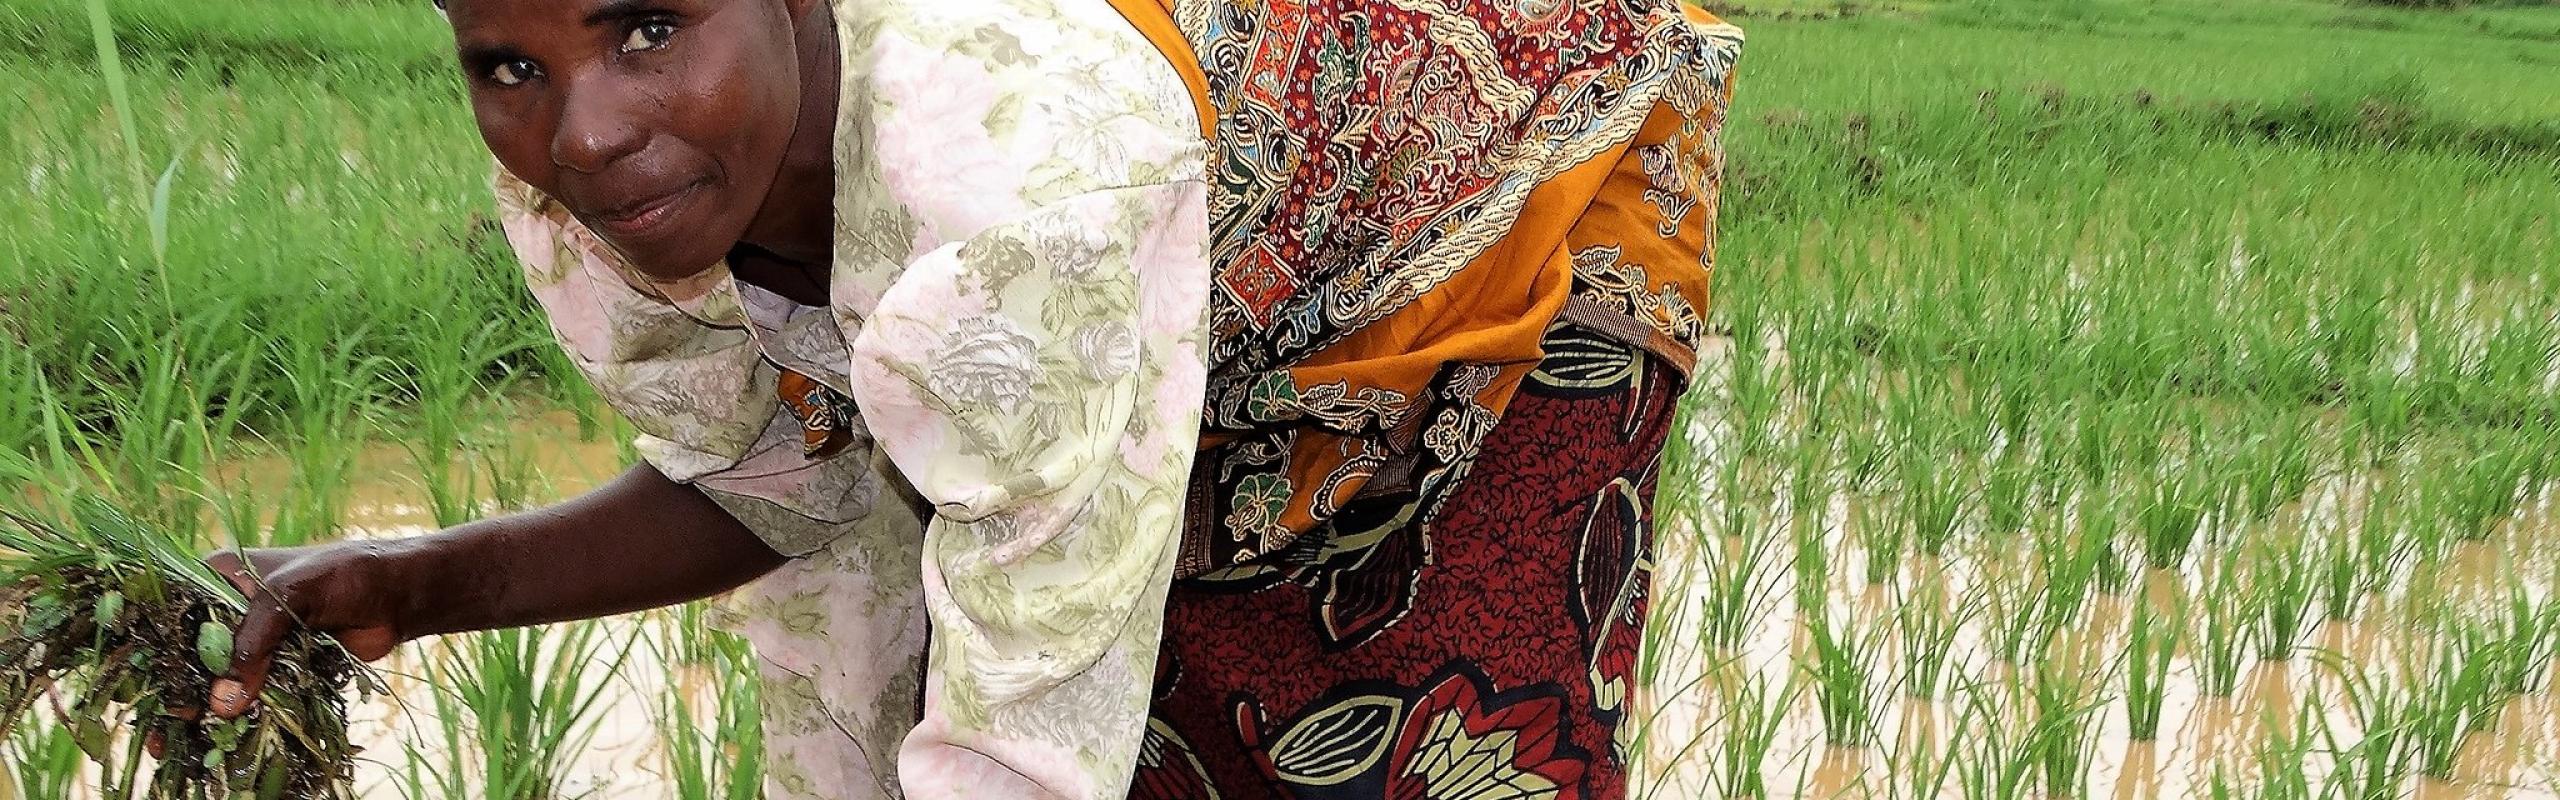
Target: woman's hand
x,y
353,591
638,542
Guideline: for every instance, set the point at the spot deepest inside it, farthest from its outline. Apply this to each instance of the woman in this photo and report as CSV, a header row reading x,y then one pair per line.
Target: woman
x,y
1100,398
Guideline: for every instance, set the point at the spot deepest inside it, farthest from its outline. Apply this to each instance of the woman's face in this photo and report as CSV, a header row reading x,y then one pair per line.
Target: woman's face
x,y
659,123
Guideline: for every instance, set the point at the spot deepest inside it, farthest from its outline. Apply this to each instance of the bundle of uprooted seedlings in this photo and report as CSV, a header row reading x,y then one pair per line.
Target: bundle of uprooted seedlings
x,y
110,624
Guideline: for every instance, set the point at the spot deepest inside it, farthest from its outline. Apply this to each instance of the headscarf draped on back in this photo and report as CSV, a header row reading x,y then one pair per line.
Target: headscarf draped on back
x,y
1392,186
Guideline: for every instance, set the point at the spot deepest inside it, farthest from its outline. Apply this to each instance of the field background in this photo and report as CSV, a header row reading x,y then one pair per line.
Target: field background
x,y
2117,398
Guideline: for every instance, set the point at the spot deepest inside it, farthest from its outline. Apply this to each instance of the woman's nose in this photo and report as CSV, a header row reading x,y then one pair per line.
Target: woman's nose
x,y
594,131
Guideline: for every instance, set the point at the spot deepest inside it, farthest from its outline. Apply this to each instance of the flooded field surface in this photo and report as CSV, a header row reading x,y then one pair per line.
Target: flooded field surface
x,y
2364,634
2007,664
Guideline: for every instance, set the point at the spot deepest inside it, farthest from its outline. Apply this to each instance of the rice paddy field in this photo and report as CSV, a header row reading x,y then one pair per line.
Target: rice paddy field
x,y
2115,398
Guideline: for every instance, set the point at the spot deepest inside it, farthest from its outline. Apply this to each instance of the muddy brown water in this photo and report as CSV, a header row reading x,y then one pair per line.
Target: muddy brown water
x,y
1688,712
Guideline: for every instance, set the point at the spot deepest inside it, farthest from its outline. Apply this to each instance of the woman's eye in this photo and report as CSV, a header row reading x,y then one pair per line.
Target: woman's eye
x,y
510,73
648,36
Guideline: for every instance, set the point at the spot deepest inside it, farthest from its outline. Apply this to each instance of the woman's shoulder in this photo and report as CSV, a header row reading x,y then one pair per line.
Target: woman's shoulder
x,y
1037,99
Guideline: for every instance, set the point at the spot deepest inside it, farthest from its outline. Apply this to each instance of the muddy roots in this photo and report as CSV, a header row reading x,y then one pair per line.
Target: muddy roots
x,y
106,623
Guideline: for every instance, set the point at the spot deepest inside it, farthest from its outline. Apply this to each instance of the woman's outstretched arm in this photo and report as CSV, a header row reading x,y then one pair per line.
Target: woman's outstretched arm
x,y
640,541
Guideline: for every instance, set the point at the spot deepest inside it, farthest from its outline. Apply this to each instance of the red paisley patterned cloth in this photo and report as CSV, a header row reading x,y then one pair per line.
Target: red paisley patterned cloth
x,y
1393,188
1500,641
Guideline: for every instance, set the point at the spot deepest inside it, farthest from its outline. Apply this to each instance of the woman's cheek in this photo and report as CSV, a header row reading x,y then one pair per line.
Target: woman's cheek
x,y
521,147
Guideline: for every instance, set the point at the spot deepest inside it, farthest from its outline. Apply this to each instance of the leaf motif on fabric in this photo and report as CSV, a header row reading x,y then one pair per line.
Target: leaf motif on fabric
x,y
1339,743
1456,744
1169,769
985,360
1259,501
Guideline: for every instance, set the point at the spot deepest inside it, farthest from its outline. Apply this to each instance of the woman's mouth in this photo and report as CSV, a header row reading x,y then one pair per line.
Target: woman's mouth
x,y
647,216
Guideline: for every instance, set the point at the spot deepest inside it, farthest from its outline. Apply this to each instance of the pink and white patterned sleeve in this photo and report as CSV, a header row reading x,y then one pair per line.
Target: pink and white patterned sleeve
x,y
1028,352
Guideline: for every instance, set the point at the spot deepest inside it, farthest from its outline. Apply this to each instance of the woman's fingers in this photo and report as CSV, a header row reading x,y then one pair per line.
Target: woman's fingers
x,y
227,697
288,589
368,644
234,693
252,647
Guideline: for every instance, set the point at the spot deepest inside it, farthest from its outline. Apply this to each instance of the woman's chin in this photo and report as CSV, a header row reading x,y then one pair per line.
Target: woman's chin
x,y
675,270
667,258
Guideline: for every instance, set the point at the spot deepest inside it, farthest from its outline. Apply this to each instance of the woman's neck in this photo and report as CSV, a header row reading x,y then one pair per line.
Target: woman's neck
x,y
797,225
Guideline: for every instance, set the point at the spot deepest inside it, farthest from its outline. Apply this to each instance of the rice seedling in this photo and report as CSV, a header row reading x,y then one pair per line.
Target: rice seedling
x,y
1679,499
1865,454
2276,467
2454,694
1882,540
2355,561
1934,499
1812,566
2168,519
1926,626
1991,763
1810,486
448,403
1737,552
1846,680
2449,687
329,386
1743,584
1920,763
107,622
2382,417
523,697
1754,711
2281,594
2112,566
2222,633
2063,692
2524,634
717,755
2073,566
2091,450
2222,786
1752,393
2481,489
2370,759
2014,596
2151,640
2008,484
2284,757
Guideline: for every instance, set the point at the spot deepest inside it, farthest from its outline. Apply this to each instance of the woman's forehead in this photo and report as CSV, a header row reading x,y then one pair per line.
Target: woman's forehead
x,y
589,11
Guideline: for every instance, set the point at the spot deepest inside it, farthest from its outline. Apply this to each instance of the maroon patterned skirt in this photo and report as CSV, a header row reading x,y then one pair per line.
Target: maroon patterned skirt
x,y
1486,654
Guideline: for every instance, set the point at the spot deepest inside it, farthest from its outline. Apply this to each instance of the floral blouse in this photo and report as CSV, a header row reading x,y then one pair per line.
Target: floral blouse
x,y
1017,314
